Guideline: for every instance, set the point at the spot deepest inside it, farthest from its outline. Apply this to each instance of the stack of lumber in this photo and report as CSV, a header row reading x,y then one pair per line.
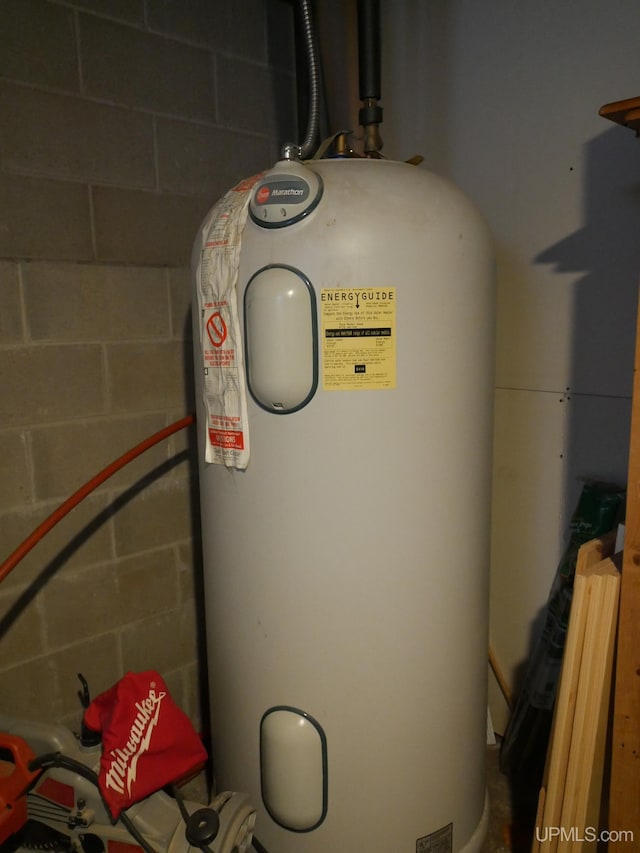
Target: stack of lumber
x,y
569,807
624,787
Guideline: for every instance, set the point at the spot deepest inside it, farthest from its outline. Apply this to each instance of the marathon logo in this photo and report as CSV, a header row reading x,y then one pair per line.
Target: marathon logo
x,y
286,188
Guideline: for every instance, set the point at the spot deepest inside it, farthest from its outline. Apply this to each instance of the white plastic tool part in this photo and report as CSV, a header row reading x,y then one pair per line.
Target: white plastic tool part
x,y
293,767
280,332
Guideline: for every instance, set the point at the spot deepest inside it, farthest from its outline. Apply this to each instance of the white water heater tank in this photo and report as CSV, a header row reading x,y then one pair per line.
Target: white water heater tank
x,y
346,569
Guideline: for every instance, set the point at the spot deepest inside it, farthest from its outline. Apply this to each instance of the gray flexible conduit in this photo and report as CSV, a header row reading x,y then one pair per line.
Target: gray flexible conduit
x,y
313,119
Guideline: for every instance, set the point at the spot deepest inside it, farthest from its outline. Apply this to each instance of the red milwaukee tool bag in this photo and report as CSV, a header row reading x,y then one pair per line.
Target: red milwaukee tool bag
x,y
147,741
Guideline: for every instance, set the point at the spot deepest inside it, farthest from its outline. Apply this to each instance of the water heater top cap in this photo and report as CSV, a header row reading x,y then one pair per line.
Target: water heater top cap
x,y
285,194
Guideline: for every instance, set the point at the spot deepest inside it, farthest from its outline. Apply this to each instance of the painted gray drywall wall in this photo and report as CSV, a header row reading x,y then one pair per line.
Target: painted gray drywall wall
x,y
503,98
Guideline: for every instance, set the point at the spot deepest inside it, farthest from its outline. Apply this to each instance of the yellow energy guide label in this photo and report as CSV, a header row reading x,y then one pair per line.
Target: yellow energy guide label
x,y
358,331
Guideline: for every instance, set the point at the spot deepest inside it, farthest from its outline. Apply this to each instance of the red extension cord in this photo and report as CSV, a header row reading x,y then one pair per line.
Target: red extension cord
x,y
22,550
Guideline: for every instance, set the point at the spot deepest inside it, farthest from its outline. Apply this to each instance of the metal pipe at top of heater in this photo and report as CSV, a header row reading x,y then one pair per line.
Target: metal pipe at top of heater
x,y
369,52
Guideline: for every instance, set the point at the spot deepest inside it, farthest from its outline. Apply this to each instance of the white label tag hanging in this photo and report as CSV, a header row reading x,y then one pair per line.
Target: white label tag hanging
x,y
225,395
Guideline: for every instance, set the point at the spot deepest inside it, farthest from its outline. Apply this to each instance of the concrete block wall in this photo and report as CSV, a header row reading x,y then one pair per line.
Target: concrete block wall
x,y
122,123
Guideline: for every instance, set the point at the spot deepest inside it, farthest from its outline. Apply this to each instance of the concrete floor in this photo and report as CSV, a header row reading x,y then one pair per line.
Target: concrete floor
x,y
500,815
513,807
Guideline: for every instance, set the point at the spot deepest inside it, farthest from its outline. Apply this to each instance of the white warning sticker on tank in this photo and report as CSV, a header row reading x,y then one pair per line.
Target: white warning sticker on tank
x,y
225,393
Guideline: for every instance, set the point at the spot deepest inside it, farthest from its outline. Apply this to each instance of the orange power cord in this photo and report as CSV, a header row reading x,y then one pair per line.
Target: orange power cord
x,y
22,550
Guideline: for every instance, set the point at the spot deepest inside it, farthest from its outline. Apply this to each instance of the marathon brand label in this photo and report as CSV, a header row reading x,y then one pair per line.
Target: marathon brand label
x,y
285,189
